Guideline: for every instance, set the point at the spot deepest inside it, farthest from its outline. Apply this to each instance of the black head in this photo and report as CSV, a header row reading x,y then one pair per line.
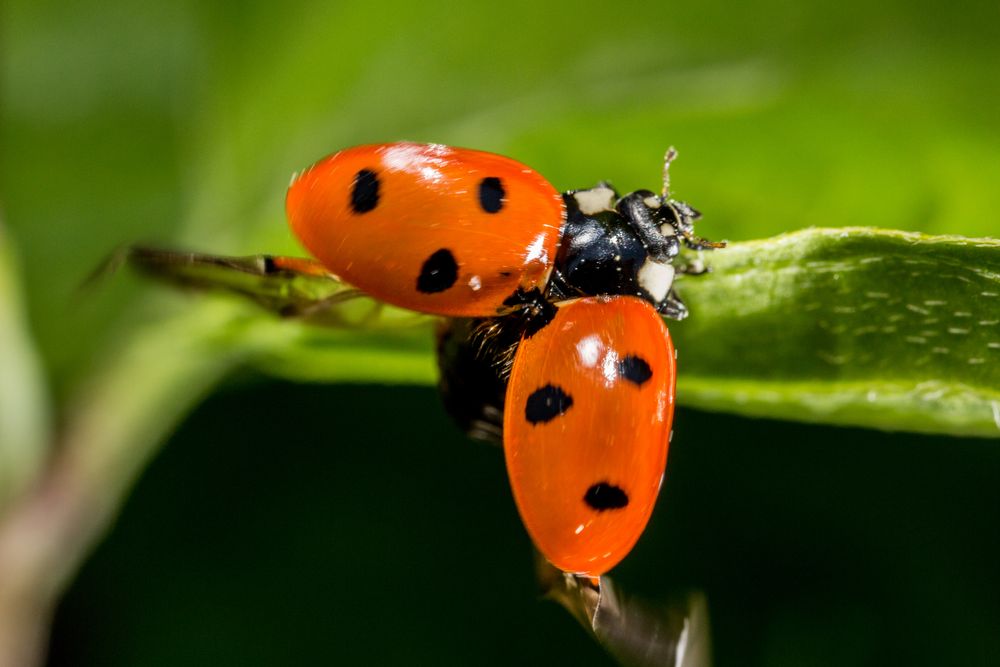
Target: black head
x,y
624,244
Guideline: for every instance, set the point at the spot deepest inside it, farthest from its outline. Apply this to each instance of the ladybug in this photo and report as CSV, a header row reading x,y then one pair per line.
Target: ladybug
x,y
552,341
556,344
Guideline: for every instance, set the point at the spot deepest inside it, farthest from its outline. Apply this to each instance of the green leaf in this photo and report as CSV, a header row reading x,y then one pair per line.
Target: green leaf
x,y
857,326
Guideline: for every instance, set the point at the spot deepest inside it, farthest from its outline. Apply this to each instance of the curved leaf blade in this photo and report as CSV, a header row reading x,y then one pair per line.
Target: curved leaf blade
x,y
855,326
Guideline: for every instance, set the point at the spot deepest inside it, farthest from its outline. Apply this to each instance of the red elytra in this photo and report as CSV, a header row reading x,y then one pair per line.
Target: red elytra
x,y
431,228
587,425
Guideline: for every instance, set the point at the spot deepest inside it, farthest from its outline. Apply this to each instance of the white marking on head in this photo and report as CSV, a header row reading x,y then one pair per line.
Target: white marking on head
x,y
656,278
595,200
475,283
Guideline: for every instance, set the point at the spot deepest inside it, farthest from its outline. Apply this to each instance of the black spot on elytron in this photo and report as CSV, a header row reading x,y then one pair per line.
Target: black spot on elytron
x,y
604,496
364,193
546,404
438,273
491,194
634,369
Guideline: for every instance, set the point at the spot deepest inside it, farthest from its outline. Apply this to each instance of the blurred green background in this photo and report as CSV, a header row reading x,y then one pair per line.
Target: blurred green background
x,y
291,523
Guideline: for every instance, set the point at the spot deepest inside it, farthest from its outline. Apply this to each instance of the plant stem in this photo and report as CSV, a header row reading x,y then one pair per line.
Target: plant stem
x,y
114,429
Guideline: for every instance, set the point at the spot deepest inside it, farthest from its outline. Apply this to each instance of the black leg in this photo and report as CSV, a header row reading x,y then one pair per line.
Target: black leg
x,y
672,306
288,286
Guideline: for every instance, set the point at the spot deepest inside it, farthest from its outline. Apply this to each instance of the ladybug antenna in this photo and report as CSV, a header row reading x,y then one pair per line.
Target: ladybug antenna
x,y
667,159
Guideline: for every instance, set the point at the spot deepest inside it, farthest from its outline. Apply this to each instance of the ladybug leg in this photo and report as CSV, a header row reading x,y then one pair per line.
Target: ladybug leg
x,y
473,359
634,208
289,286
672,306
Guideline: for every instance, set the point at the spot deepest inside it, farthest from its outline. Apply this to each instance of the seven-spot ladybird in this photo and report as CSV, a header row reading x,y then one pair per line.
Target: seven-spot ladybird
x,y
554,343
560,349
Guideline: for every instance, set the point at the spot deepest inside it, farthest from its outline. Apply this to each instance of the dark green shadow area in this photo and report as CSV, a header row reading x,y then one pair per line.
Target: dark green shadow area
x,y
293,524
